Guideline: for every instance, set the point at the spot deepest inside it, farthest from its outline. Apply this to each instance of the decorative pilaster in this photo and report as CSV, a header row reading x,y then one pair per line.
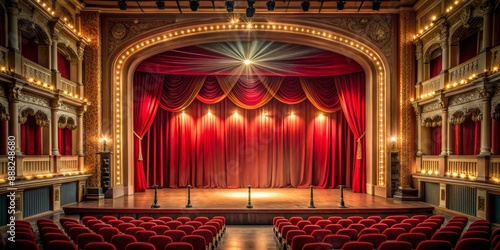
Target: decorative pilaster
x,y
54,105
419,52
486,92
486,10
14,90
79,137
79,68
444,34
92,118
443,104
407,87
56,75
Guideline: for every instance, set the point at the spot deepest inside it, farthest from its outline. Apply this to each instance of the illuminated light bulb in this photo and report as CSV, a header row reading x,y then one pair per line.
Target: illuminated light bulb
x,y
411,99
462,175
448,173
30,80
436,172
209,113
433,18
454,174
235,113
423,171
247,62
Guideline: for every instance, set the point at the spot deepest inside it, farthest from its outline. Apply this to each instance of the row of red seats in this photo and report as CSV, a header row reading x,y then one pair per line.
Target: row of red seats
x,y
390,228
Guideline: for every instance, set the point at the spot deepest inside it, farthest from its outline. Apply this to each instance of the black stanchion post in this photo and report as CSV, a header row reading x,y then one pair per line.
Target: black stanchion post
x,y
342,205
249,204
311,201
155,201
189,205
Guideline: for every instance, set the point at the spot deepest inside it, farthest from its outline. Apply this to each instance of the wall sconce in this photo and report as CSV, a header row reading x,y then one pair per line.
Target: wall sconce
x,y
104,141
393,141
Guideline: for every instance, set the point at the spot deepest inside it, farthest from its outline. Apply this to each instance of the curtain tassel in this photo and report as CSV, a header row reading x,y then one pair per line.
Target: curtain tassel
x,y
139,158
359,150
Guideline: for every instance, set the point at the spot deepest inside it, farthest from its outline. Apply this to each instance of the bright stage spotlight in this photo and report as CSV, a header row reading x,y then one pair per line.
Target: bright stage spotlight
x,y
270,5
122,4
305,5
376,5
194,4
247,62
230,6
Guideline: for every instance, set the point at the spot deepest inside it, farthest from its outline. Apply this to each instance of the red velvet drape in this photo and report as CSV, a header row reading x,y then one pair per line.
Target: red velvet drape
x,y
467,138
190,143
63,66
351,89
221,149
436,66
495,137
31,137
436,143
65,141
147,91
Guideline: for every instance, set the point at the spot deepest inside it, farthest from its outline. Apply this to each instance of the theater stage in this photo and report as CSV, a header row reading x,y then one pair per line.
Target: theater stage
x,y
267,203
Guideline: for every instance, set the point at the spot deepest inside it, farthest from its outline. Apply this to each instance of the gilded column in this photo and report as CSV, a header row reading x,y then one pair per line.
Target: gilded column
x,y
79,137
92,81
13,35
443,103
444,34
407,27
419,54
14,90
54,128
79,68
486,9
486,93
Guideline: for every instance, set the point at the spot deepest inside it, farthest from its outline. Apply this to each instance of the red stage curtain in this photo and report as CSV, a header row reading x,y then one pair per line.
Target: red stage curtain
x,y
147,91
257,145
63,66
31,137
65,141
467,138
436,143
351,89
29,49
180,91
457,133
436,66
495,134
222,149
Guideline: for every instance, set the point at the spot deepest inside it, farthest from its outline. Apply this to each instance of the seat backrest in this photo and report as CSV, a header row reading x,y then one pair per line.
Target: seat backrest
x,y
425,230
375,218
336,240
355,245
173,224
100,226
108,233
195,224
146,218
140,246
22,244
127,218
115,223
133,230
393,233
205,233
123,226
107,218
355,219
451,237
334,219
319,234
175,234
367,222
294,220
165,218
395,245
352,233
301,224
160,241
357,227
48,237
476,234
76,231
204,219
86,238
59,245
420,217
472,243
120,241
397,218
197,241
375,239
308,229
317,246
323,223
183,219
368,231
434,245
344,222
147,225
413,238
413,222
136,222
299,241
179,246
160,229
186,228
100,246
85,219
388,222
143,236
291,234
380,226
314,219
334,228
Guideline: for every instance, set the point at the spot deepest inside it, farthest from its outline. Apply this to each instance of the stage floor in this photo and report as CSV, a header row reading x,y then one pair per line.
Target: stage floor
x,y
267,203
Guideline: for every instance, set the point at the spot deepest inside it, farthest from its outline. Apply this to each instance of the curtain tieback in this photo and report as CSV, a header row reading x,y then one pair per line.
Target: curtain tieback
x,y
139,157
359,152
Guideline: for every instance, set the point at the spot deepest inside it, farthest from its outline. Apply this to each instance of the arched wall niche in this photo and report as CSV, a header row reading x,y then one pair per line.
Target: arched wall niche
x,y
120,66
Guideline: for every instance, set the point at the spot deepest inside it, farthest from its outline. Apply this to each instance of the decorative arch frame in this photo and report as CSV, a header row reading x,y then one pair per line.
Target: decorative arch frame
x,y
40,31
122,62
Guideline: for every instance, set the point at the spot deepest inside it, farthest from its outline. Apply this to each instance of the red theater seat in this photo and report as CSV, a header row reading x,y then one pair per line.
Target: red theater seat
x,y
413,238
121,241
352,233
108,233
124,226
107,218
160,241
100,246
159,230
86,238
451,237
375,239
299,241
354,245
60,245
22,245
317,246
48,237
179,246
336,240
175,234
472,244
143,236
140,246
197,241
434,245
395,245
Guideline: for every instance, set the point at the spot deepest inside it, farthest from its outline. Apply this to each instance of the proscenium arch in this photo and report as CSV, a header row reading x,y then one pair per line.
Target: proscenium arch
x,y
125,59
